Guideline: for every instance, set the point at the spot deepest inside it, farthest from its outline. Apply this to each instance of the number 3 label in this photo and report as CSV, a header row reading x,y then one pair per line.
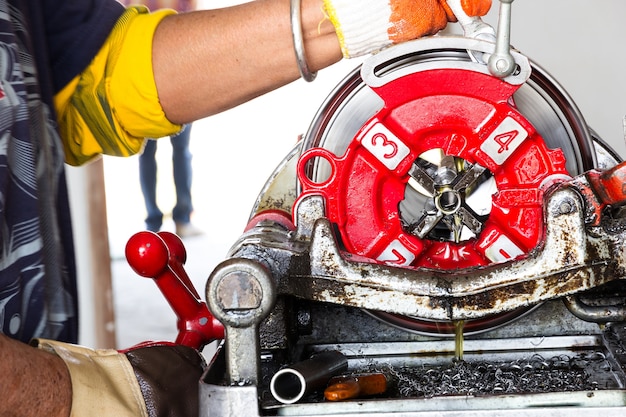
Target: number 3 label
x,y
385,146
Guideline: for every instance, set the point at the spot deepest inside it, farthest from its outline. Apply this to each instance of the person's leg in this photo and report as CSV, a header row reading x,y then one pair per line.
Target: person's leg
x,y
181,163
148,181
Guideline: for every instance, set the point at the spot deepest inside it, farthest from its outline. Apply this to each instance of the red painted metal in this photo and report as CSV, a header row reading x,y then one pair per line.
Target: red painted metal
x,y
161,257
466,114
610,185
275,216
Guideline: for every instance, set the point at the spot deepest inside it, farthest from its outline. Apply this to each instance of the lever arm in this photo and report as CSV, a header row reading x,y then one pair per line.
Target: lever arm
x,y
501,63
160,257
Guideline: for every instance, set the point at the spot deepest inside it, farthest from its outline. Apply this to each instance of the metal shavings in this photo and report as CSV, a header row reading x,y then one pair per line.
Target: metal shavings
x,y
475,378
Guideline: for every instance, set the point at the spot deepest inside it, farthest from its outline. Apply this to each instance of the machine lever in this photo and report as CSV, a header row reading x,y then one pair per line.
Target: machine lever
x,y
177,258
160,256
501,64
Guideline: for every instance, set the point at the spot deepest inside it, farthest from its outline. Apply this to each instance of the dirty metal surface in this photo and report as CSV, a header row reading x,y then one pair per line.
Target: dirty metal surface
x,y
508,374
587,371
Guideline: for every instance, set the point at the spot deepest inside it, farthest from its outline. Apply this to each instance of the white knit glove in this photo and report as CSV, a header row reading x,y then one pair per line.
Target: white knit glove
x,y
366,26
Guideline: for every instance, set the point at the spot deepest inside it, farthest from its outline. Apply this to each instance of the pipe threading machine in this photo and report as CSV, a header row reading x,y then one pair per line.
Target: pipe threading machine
x,y
455,233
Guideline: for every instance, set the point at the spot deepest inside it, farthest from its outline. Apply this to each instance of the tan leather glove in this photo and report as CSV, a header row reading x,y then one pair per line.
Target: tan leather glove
x,y
366,26
152,379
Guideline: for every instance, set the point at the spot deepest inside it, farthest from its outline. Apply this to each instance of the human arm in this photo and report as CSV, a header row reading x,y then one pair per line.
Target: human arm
x,y
228,56
59,379
34,382
209,61
158,71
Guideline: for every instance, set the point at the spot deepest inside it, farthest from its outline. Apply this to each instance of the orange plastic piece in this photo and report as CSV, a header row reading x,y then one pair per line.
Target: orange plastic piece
x,y
346,387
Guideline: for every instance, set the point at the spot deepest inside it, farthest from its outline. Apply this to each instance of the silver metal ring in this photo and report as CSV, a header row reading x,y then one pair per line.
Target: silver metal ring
x,y
298,41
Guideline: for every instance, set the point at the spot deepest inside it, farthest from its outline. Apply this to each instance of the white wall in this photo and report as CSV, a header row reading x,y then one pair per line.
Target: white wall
x,y
580,43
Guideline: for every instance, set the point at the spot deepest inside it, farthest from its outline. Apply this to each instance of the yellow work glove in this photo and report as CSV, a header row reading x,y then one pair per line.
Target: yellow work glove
x,y
366,26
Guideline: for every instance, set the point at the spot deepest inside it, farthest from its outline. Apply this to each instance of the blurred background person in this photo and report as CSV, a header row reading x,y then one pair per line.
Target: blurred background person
x,y
182,170
181,157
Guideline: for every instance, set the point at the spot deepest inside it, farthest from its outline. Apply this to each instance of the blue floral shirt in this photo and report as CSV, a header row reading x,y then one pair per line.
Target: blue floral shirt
x,y
43,45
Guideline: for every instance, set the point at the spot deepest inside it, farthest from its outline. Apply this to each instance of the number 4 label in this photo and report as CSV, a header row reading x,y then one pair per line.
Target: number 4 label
x,y
504,140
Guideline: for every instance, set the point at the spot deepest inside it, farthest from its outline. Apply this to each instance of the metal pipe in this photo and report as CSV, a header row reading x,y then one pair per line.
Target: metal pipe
x,y
595,314
290,384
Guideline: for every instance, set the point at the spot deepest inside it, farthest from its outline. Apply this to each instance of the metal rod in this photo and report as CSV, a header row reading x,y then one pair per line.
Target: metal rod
x,y
501,63
595,314
290,384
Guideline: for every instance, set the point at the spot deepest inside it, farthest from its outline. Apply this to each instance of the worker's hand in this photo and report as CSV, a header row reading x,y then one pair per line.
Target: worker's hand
x,y
169,377
150,379
366,26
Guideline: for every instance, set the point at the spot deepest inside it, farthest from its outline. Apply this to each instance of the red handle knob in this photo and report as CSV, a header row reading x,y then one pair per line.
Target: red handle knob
x,y
161,257
147,254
